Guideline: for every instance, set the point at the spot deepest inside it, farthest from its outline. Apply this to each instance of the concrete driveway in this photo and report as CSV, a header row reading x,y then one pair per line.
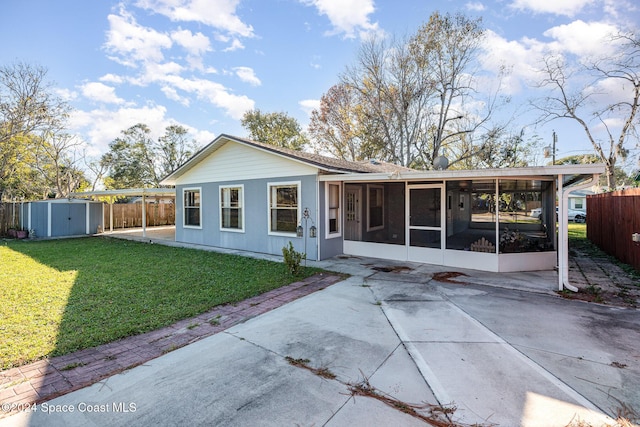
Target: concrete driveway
x,y
490,350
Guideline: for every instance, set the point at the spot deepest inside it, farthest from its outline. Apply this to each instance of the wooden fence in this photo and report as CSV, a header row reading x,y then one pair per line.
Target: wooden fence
x,y
612,218
130,215
9,217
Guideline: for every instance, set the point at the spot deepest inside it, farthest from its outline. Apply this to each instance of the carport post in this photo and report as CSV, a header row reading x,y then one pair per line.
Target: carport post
x,y
144,215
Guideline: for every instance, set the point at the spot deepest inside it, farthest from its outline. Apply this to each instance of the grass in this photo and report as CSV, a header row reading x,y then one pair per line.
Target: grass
x,y
61,296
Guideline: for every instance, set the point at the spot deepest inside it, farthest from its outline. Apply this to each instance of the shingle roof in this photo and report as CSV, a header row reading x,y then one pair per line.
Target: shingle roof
x,y
324,162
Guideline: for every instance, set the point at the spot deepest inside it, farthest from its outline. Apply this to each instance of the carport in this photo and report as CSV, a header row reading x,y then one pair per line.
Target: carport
x,y
110,196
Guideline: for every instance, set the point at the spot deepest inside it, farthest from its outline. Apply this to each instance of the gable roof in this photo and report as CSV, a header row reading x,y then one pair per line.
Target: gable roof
x,y
324,163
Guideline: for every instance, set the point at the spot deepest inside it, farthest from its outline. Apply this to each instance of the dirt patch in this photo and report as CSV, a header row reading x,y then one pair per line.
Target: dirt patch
x,y
392,269
448,276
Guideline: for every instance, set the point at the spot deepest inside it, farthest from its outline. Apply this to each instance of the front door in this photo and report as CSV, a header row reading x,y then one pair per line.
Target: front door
x,y
353,213
425,205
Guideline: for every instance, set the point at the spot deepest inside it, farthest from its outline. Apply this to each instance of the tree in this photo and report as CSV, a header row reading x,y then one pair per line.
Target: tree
x,y
136,160
418,92
277,129
131,161
341,127
575,90
29,114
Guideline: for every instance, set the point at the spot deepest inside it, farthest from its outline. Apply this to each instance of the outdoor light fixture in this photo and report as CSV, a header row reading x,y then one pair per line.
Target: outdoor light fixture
x,y
299,231
635,237
313,231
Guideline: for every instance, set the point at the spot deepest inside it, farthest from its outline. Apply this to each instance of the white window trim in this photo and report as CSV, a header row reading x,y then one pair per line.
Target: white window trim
x,y
299,215
184,217
241,187
328,234
378,227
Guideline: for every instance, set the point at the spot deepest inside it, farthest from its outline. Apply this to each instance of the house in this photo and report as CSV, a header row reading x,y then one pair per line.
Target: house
x,y
578,199
241,194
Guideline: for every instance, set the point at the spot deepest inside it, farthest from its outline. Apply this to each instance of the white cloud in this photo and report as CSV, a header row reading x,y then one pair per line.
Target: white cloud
x,y
308,105
100,92
196,44
348,17
235,45
556,7
475,6
103,126
247,75
215,93
111,78
66,94
131,43
220,14
582,38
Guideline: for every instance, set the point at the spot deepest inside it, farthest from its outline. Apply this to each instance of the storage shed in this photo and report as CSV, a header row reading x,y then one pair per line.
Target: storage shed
x,y
62,217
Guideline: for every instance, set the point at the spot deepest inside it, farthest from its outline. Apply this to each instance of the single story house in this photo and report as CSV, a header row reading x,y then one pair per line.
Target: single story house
x,y
578,199
241,194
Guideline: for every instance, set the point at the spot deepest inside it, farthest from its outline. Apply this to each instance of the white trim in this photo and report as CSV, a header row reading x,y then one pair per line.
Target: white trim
x,y
377,227
327,201
48,219
375,250
184,217
88,217
241,201
298,208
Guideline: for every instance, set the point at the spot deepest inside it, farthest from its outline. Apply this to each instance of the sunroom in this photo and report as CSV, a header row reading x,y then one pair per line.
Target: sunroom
x,y
494,220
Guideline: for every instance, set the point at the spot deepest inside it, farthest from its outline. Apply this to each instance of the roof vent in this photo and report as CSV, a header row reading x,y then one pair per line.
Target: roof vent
x,y
374,162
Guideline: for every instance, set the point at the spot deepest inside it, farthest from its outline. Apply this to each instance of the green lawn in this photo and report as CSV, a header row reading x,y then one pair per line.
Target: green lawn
x,y
60,296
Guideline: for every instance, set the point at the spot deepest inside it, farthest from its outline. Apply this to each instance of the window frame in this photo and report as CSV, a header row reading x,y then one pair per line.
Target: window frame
x,y
328,233
369,188
185,207
241,209
270,185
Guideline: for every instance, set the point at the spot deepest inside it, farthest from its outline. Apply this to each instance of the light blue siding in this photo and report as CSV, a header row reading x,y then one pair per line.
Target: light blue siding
x,y
256,235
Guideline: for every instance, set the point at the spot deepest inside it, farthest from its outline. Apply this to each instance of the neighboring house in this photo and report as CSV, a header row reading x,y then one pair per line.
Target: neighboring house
x,y
246,195
578,200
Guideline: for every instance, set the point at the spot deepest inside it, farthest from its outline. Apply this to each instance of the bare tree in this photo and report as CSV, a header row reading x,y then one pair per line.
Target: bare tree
x,y
618,117
418,91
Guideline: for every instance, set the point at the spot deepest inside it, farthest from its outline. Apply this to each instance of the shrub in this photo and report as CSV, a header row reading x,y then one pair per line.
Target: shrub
x,y
292,258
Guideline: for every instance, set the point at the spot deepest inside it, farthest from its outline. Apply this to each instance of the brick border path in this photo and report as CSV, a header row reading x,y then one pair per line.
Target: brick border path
x,y
50,378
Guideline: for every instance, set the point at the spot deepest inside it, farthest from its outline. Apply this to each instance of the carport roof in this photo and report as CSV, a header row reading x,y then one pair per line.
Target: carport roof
x,y
127,192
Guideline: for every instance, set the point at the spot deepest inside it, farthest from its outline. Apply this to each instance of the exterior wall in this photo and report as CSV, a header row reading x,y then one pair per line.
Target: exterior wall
x,y
67,218
233,162
332,246
255,236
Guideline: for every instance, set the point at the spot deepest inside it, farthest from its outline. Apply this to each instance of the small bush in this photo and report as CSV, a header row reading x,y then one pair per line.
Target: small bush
x,y
292,258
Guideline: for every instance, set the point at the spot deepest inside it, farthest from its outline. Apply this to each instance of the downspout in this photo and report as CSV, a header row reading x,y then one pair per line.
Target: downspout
x,y
563,222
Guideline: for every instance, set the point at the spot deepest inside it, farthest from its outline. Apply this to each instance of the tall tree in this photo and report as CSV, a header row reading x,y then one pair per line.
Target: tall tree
x,y
135,160
277,129
341,127
131,160
419,91
29,112
572,90
174,148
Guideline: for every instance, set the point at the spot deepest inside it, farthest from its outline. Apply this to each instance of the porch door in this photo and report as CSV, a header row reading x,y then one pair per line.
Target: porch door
x,y
353,213
426,223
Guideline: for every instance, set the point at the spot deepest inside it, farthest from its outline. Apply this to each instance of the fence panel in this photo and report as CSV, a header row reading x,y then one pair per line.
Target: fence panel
x,y
9,217
128,215
612,218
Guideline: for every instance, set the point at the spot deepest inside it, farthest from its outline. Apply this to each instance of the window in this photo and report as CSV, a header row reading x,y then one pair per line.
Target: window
x,y
578,204
333,201
231,208
284,207
375,207
191,207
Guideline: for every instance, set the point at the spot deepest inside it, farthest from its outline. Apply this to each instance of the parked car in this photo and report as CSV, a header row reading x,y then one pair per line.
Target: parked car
x,y
574,215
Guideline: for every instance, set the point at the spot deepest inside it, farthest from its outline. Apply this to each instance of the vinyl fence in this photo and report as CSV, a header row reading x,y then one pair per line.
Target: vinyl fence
x,y
612,218
130,215
9,217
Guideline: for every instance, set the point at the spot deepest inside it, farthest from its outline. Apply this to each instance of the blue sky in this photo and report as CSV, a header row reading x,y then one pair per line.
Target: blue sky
x,y
202,63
